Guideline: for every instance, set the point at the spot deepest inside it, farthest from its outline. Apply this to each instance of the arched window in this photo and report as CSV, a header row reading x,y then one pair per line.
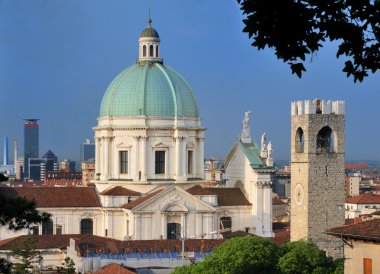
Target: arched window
x,y
157,51
86,226
299,145
225,223
47,228
325,140
151,51
144,51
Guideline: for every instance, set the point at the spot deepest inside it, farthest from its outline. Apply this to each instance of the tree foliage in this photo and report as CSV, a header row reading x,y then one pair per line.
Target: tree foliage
x,y
258,255
68,267
18,213
27,256
297,28
238,255
304,257
5,266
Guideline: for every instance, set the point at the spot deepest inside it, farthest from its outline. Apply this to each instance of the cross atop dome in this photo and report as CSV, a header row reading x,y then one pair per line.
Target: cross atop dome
x,y
149,44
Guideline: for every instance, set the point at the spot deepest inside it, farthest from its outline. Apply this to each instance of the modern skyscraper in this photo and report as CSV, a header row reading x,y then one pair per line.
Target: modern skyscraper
x,y
31,142
5,161
87,151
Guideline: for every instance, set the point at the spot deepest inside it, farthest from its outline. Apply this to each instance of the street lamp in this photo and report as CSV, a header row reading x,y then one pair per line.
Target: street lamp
x,y
182,239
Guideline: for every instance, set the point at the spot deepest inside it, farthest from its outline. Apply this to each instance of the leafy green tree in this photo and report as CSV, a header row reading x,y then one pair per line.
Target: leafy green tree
x,y
26,255
68,267
238,255
304,257
5,266
258,255
18,213
297,28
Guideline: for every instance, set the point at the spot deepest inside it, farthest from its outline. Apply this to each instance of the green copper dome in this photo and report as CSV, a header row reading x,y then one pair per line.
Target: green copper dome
x,y
151,89
149,32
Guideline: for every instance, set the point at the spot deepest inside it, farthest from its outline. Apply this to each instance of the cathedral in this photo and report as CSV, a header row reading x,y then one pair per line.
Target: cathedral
x,y
149,167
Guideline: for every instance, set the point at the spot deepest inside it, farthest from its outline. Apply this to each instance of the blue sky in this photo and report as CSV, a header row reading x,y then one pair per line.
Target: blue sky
x,y
57,58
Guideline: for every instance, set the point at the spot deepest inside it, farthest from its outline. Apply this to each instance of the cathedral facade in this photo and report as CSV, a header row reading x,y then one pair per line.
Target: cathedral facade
x,y
149,167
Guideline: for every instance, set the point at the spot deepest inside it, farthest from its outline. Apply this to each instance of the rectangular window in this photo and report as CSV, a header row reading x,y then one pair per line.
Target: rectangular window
x,y
58,230
190,162
36,230
367,266
123,161
47,228
160,162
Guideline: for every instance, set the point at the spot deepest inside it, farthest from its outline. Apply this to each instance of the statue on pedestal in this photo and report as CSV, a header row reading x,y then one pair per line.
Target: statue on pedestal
x,y
269,161
263,151
245,135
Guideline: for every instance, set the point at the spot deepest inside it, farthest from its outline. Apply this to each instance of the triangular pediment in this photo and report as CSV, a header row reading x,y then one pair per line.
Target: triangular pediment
x,y
190,145
160,145
123,145
173,199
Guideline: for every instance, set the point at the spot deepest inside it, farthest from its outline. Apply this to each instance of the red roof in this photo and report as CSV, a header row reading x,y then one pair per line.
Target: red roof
x,y
277,201
198,190
369,230
356,166
120,191
55,196
114,268
227,196
365,198
140,201
42,241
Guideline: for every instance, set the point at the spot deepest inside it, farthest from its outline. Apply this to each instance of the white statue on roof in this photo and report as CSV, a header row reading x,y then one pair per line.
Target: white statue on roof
x,y
269,161
245,135
263,150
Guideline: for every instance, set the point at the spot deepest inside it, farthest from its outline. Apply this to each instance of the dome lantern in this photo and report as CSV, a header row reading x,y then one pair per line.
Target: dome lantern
x,y
149,44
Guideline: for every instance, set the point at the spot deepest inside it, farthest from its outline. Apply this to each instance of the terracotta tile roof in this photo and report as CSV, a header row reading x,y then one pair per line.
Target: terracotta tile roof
x,y
114,268
277,201
356,166
140,201
43,241
281,232
198,190
101,245
120,191
369,230
226,196
55,196
230,197
366,198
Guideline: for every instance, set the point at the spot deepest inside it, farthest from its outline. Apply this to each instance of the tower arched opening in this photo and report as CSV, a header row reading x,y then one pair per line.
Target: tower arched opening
x,y
299,142
325,140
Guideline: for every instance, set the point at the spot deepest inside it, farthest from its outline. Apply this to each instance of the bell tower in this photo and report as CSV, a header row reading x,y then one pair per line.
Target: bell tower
x,y
317,172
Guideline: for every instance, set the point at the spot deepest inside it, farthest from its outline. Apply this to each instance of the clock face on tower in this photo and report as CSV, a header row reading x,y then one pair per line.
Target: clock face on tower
x,y
299,194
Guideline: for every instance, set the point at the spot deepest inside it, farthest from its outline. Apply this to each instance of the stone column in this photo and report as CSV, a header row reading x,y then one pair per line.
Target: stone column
x,y
106,158
163,224
97,156
267,212
183,159
201,157
259,209
143,158
178,158
137,164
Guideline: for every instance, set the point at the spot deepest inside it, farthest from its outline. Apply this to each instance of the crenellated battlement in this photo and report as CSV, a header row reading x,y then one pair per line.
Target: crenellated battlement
x,y
318,106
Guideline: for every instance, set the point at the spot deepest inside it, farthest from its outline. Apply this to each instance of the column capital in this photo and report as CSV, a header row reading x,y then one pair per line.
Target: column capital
x,y
263,184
